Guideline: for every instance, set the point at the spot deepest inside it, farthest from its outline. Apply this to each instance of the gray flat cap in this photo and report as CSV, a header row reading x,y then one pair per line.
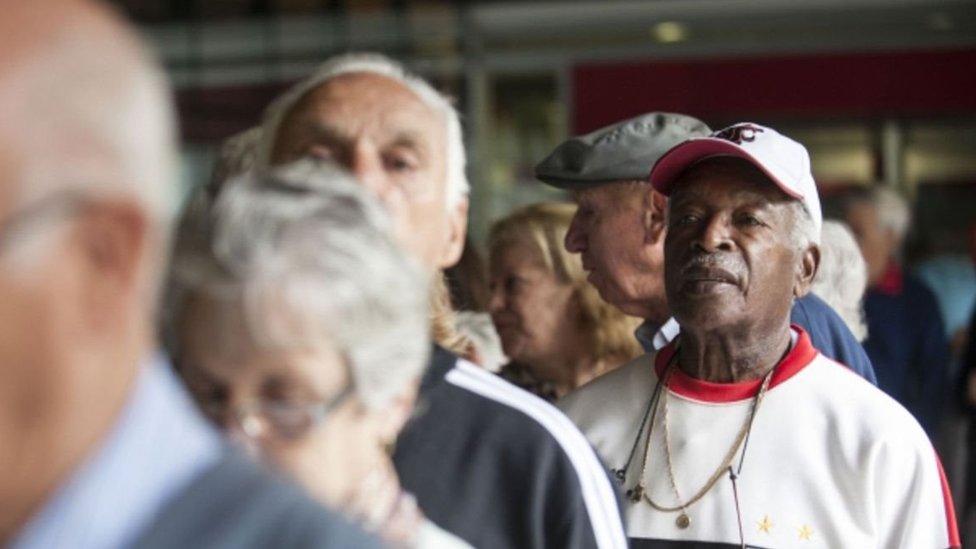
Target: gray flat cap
x,y
625,150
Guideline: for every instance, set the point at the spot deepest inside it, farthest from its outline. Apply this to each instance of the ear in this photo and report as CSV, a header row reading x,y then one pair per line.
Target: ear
x,y
655,211
457,229
112,240
806,269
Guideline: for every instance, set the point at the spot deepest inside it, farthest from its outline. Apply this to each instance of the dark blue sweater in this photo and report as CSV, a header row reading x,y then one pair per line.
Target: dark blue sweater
x,y
907,345
830,335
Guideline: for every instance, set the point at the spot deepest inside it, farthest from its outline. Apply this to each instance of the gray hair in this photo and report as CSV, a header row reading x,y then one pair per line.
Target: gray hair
x,y
310,258
842,276
804,232
893,213
457,180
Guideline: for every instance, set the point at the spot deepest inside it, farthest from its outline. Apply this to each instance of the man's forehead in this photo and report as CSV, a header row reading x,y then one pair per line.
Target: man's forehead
x,y
364,95
611,192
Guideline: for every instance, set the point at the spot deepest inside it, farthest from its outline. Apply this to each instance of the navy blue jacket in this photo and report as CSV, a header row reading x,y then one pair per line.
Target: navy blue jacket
x,y
907,345
831,336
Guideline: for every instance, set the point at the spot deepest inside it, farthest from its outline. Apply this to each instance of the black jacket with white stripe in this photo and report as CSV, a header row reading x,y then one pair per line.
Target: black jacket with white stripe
x,y
501,468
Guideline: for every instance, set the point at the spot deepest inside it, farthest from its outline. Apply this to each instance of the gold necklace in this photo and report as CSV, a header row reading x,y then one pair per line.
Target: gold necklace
x,y
640,492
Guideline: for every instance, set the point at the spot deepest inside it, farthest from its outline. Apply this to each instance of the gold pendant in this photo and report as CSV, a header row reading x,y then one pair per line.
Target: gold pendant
x,y
683,521
636,494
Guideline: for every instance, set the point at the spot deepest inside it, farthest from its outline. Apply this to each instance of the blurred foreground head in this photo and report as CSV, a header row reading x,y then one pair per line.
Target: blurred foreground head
x,y
86,155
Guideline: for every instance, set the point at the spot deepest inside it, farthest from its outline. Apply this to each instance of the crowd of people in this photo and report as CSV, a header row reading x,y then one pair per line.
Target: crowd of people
x,y
686,360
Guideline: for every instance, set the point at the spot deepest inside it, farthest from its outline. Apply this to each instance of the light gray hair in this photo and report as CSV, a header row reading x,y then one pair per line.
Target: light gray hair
x,y
457,181
309,256
893,212
842,276
804,232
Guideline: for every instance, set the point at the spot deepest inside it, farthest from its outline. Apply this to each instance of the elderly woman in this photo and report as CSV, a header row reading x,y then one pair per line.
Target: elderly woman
x,y
554,327
842,276
300,329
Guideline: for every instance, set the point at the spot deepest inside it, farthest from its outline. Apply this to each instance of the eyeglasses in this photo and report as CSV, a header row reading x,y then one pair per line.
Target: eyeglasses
x,y
52,207
263,418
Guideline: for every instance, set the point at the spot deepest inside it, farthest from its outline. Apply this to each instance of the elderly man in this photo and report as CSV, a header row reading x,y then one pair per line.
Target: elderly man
x,y
619,229
906,333
99,446
739,431
488,462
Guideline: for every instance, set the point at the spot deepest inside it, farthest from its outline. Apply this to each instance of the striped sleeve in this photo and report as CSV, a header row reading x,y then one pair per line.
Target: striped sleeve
x,y
598,496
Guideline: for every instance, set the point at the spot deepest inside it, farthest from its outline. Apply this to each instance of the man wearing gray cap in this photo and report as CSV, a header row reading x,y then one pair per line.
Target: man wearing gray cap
x,y
619,229
738,432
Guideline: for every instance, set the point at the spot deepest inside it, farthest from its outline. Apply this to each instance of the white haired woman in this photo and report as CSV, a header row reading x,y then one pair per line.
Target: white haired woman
x,y
842,276
301,329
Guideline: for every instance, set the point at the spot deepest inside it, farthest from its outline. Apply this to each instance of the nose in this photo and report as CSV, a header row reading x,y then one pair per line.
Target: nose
x,y
366,165
245,443
575,241
496,299
243,421
715,235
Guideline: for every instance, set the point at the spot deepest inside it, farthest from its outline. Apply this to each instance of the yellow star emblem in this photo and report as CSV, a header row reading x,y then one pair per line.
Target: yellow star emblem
x,y
806,533
765,525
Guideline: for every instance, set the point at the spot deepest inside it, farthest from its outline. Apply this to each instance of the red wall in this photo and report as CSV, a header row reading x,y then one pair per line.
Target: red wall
x,y
815,86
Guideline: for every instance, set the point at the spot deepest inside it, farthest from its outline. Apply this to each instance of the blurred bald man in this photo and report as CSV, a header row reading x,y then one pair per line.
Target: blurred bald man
x,y
99,446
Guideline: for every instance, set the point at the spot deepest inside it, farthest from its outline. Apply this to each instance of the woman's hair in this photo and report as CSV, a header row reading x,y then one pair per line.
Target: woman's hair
x,y
842,275
544,226
310,258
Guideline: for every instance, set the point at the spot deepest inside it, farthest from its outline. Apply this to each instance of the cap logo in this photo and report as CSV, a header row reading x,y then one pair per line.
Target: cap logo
x,y
739,133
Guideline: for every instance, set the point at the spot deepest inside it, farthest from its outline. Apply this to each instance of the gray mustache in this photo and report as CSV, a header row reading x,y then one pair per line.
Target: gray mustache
x,y
712,262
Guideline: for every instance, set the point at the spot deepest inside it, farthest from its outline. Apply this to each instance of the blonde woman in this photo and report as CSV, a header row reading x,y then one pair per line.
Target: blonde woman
x,y
556,331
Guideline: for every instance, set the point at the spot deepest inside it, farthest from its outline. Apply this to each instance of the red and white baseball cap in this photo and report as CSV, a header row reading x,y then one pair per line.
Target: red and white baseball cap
x,y
783,160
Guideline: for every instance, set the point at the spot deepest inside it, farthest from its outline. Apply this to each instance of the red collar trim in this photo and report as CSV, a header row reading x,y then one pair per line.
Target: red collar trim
x,y
892,281
684,385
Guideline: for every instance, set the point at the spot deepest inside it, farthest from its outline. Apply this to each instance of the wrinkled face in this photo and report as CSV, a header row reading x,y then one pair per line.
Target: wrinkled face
x,y
535,314
729,260
609,232
392,142
233,380
877,244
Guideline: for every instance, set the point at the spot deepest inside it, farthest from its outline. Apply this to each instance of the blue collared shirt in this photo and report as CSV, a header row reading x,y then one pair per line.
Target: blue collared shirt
x,y
158,445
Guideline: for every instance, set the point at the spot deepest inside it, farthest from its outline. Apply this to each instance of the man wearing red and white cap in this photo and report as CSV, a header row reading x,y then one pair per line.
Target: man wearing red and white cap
x,y
739,432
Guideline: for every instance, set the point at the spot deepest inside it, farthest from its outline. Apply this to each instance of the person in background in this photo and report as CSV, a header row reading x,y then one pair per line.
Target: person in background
x,y
468,280
739,433
468,284
619,229
906,339
488,462
300,329
238,154
952,279
842,276
554,327
968,390
100,447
